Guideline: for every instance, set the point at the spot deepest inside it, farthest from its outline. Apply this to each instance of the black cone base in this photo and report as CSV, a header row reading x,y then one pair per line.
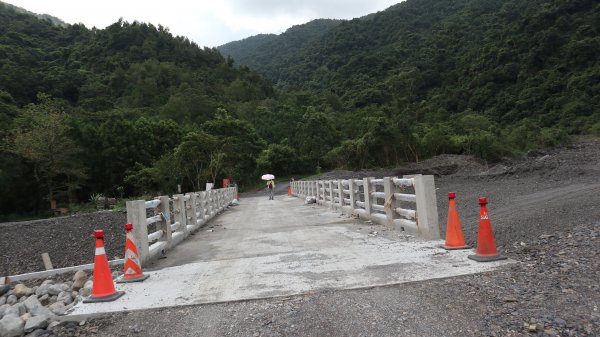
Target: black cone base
x,y
486,258
133,279
108,298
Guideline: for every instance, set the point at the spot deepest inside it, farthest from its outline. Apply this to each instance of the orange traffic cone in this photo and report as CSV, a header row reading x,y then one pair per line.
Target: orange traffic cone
x,y
289,190
486,245
103,289
132,269
454,235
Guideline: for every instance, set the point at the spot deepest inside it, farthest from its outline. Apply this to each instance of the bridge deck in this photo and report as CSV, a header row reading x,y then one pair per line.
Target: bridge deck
x,y
264,248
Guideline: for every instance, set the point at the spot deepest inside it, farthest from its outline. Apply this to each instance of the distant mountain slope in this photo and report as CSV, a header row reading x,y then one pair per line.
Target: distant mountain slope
x,y
52,19
267,53
507,59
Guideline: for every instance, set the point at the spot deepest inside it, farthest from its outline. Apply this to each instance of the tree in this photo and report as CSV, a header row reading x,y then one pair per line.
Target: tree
x,y
200,157
319,135
41,137
278,159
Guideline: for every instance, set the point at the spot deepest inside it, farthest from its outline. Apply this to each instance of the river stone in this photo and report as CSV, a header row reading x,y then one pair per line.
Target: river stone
x,y
15,310
47,282
11,326
2,300
65,297
79,279
35,307
12,299
45,300
88,284
36,322
38,333
22,290
3,308
55,289
58,308
43,289
4,289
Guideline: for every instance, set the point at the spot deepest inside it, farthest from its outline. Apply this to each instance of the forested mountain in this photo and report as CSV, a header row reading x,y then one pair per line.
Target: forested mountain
x,y
106,111
132,109
268,53
460,73
52,19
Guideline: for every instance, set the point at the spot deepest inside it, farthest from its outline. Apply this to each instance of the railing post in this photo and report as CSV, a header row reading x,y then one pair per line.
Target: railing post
x,y
179,213
390,203
165,222
352,195
136,215
207,204
200,216
341,194
321,192
367,195
427,215
192,209
331,202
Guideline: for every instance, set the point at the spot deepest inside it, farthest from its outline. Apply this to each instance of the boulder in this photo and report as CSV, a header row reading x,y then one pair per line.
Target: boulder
x,y
22,290
4,289
65,297
36,308
58,308
3,308
15,310
43,289
79,279
36,322
45,299
11,326
55,289
12,299
37,333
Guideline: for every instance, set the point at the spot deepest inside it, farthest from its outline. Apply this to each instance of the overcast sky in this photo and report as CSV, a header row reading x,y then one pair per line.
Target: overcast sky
x,y
207,22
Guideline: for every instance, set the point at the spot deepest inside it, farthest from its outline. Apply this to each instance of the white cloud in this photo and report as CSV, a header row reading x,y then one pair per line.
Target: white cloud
x,y
209,23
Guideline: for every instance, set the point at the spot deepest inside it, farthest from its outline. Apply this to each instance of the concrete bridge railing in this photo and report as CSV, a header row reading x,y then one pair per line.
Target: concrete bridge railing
x,y
173,219
407,203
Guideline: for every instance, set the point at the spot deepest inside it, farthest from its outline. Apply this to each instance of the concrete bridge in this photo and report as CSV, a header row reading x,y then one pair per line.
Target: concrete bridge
x,y
264,248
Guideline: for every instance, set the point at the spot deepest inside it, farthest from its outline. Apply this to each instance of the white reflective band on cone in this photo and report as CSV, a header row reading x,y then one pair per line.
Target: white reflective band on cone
x,y
100,251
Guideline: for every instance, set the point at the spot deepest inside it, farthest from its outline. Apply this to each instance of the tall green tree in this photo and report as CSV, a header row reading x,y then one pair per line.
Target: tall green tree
x,y
41,137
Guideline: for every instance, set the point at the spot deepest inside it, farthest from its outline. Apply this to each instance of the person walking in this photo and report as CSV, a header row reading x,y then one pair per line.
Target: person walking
x,y
271,186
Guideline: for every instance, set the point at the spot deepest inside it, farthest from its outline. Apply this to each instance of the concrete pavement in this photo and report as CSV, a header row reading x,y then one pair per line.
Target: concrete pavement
x,y
282,247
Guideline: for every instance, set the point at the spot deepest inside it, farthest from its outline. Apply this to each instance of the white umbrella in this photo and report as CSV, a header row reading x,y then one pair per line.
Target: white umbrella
x,y
267,177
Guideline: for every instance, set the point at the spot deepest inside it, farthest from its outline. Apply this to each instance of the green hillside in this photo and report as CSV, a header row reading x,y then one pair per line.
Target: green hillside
x,y
132,109
269,53
115,111
455,75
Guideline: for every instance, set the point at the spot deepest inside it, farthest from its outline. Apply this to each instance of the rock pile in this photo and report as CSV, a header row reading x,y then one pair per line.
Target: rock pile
x,y
34,311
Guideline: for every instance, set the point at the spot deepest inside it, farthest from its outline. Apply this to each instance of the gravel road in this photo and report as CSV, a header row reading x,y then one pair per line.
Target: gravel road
x,y
544,208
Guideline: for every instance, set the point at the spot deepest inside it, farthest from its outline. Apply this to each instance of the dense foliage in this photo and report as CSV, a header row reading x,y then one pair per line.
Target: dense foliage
x,y
132,109
486,77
